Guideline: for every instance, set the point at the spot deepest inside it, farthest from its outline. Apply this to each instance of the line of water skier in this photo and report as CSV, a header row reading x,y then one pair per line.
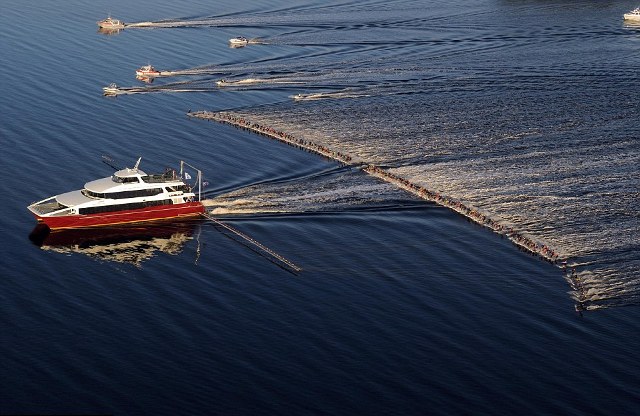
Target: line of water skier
x,y
517,237
243,123
474,214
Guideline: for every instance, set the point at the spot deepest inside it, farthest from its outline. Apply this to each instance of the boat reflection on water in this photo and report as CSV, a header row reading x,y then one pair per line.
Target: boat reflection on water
x,y
108,31
146,80
123,244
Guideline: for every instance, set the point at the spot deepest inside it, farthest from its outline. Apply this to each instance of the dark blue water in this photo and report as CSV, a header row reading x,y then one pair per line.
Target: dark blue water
x,y
525,110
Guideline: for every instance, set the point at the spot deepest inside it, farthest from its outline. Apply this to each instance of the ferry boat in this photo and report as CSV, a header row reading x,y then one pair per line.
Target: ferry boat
x,y
633,15
110,23
238,41
147,71
128,196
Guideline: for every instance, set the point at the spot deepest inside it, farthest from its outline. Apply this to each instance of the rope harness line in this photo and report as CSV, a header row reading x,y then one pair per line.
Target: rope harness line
x,y
253,241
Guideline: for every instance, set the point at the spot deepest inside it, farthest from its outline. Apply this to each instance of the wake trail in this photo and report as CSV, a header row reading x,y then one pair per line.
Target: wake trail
x,y
175,23
176,87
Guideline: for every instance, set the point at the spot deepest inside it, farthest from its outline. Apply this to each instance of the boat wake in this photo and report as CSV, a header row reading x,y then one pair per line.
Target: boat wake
x,y
199,85
175,23
255,81
185,86
187,72
335,95
339,192
246,20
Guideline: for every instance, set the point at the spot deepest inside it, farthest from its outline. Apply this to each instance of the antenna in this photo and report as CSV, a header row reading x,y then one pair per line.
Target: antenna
x,y
108,160
137,163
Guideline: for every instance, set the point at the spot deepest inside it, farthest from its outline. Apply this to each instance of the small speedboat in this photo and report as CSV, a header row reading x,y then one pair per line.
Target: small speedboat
x,y
316,96
111,89
110,23
238,41
633,15
147,71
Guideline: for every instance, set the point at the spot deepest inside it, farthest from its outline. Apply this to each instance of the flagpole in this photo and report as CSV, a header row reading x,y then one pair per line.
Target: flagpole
x,y
199,176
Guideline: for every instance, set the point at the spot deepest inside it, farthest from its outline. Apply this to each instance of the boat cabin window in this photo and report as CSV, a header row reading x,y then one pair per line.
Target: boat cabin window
x,y
123,207
124,194
178,188
128,179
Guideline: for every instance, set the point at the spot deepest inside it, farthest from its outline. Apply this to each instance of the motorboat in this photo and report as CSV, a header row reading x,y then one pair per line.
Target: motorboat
x,y
111,89
238,41
222,82
147,71
633,15
315,96
110,23
128,196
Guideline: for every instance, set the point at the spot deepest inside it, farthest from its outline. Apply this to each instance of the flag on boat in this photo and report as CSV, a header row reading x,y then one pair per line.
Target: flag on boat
x,y
187,176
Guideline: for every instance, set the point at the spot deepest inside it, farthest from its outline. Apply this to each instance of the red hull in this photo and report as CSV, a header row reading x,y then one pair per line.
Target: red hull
x,y
161,212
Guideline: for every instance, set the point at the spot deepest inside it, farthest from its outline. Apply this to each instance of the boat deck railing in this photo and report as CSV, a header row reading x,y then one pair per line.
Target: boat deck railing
x,y
163,177
45,208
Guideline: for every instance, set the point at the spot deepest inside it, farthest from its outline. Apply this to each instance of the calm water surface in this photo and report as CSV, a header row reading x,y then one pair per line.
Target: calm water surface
x,y
524,110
